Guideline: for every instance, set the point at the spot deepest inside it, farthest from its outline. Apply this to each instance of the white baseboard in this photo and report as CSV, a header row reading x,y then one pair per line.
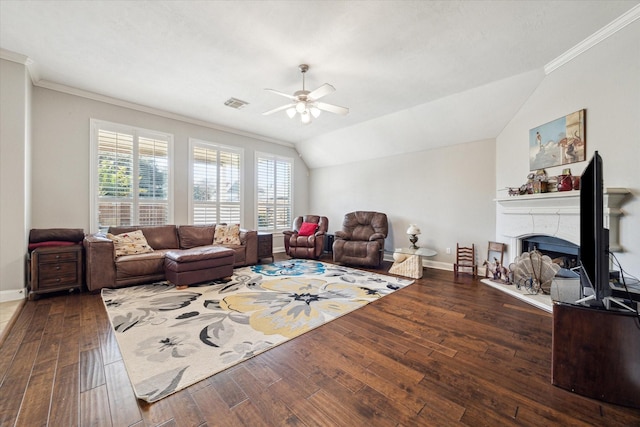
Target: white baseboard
x,y
13,295
438,265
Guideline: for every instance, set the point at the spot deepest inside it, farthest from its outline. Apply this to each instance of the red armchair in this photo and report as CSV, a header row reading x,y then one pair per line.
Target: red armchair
x,y
306,240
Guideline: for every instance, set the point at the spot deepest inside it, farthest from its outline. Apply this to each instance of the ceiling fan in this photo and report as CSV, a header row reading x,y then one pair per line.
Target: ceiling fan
x,y
306,103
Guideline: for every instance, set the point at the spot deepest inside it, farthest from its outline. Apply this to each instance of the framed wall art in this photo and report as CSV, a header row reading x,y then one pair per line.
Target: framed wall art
x,y
559,142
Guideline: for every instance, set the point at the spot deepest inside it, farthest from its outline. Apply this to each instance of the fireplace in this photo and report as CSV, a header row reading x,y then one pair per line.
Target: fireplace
x,y
552,221
562,252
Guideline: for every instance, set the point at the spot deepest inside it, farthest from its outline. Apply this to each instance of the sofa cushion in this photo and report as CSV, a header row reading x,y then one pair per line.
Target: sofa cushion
x,y
199,254
227,234
132,243
195,235
132,266
240,251
158,236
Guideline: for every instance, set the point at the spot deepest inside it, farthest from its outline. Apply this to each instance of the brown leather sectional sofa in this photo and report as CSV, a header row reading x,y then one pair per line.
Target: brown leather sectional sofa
x,y
104,270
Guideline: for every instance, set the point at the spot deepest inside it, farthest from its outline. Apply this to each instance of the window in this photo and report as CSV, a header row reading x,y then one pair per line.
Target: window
x,y
274,176
131,176
215,184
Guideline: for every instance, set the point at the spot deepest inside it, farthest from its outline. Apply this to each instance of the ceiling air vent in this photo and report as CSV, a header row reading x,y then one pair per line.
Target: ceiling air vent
x,y
235,103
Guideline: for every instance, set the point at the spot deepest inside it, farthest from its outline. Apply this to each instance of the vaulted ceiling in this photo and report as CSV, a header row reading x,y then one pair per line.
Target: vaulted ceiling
x,y
408,70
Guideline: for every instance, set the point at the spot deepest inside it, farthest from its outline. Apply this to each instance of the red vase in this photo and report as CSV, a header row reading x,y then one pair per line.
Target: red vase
x,y
565,183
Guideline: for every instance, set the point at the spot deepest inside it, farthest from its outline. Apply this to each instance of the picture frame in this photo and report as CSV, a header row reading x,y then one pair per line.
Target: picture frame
x,y
559,142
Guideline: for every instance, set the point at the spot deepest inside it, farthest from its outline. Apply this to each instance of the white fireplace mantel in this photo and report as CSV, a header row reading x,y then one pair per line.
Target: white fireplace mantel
x,y
554,214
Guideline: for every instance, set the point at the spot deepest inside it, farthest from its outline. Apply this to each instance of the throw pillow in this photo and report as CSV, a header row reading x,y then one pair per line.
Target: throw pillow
x,y
307,229
130,243
227,235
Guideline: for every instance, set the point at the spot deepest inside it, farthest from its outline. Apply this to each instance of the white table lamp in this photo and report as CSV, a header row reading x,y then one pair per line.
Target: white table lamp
x,y
413,232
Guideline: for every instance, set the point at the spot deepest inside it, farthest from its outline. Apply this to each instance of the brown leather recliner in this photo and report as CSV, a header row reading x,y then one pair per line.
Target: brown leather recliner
x,y
311,247
361,240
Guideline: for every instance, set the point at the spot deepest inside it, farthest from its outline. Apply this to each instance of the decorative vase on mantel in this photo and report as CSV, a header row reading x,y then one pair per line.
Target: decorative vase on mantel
x,y
565,181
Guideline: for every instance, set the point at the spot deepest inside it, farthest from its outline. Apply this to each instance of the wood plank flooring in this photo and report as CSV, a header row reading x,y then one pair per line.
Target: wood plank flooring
x,y
437,353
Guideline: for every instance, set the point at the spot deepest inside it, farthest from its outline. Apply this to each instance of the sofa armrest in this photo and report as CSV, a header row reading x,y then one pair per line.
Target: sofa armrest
x,y
100,264
376,236
249,238
342,235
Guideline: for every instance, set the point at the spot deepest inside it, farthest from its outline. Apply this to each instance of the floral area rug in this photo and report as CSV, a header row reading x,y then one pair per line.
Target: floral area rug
x,y
171,339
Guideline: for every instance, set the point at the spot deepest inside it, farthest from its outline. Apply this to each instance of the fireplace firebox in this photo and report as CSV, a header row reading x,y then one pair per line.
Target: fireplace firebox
x,y
562,252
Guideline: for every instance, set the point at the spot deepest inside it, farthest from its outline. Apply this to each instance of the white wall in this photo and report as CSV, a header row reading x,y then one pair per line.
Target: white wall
x,y
60,195
15,106
605,81
448,192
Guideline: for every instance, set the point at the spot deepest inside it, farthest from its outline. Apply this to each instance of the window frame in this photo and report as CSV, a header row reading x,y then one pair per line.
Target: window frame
x,y
95,125
196,142
275,158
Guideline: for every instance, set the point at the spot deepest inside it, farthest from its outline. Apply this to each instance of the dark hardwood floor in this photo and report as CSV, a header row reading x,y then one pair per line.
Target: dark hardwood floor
x,y
435,353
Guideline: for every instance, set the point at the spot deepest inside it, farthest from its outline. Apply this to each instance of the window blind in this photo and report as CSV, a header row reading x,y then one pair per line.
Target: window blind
x,y
274,192
215,183
133,170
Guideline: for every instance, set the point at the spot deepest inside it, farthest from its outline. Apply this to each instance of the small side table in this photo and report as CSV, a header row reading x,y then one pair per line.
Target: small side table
x,y
329,238
265,246
408,261
56,269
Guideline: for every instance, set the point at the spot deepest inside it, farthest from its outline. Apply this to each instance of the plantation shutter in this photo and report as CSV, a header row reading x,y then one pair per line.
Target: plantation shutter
x,y
204,187
274,190
153,186
132,170
229,201
215,183
115,183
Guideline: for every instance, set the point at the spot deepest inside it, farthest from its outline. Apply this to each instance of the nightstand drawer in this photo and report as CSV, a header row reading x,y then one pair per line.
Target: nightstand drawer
x,y
62,279
57,257
57,269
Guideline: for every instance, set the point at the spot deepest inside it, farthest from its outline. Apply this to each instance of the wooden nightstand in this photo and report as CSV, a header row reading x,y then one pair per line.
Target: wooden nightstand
x,y
265,246
56,269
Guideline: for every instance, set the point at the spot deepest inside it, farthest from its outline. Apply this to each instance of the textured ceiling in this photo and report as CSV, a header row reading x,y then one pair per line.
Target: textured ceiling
x,y
404,68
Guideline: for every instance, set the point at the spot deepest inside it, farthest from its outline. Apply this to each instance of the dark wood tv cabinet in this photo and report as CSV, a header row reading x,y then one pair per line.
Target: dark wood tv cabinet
x,y
596,353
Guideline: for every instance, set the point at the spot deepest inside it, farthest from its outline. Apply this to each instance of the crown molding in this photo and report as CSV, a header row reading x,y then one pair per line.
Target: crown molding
x,y
19,58
625,19
36,81
151,110
13,56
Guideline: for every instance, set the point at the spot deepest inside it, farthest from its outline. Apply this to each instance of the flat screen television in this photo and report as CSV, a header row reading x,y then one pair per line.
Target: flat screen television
x,y
594,237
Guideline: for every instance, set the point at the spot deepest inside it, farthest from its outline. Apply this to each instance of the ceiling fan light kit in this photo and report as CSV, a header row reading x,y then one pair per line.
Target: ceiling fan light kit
x,y
305,103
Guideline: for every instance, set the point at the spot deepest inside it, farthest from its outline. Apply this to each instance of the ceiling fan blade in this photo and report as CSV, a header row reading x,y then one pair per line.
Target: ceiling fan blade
x,y
323,90
275,110
286,95
332,108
